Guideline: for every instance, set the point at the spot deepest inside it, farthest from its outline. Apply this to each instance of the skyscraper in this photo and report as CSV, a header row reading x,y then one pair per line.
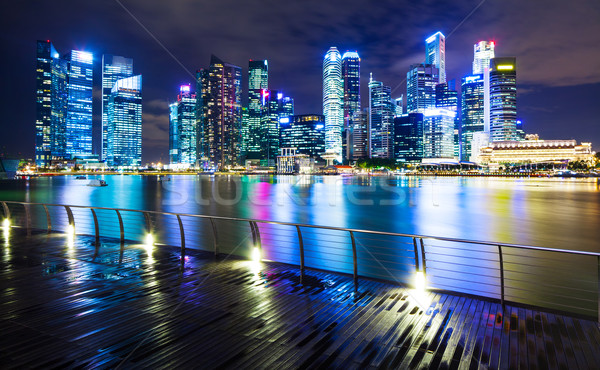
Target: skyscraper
x,y
435,54
359,135
278,109
113,68
503,99
304,132
219,114
258,81
446,97
381,120
420,86
408,137
438,133
483,52
63,104
182,128
79,104
333,99
472,112
124,128
351,82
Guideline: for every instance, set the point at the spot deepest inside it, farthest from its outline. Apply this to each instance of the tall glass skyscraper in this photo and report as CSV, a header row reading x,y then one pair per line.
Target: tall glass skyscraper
x,y
219,114
420,86
306,133
446,97
182,128
279,109
483,52
408,137
63,104
333,102
113,68
124,131
351,81
360,135
503,99
438,133
258,81
435,54
79,106
472,112
382,111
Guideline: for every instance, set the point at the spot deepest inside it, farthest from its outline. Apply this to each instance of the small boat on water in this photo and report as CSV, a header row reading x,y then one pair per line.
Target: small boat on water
x,y
82,177
163,178
97,183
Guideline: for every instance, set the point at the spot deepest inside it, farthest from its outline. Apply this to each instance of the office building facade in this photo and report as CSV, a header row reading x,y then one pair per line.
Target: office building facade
x,y
351,83
124,129
435,54
114,68
503,99
472,112
420,87
408,138
253,130
483,52
306,133
333,102
78,135
182,129
219,114
438,133
381,120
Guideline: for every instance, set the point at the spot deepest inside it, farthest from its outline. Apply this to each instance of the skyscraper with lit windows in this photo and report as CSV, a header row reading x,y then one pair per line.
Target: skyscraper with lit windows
x,y
304,132
114,68
219,114
472,112
182,129
382,111
351,82
483,52
435,54
124,131
258,81
420,87
79,104
278,109
503,99
333,102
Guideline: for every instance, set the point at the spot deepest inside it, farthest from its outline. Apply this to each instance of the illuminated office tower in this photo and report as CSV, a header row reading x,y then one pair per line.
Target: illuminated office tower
x,y
408,137
398,106
51,104
435,54
124,129
258,81
420,87
278,109
182,129
63,104
446,97
304,132
78,130
359,136
351,82
472,112
483,52
438,133
520,131
219,114
503,99
381,120
333,102
113,68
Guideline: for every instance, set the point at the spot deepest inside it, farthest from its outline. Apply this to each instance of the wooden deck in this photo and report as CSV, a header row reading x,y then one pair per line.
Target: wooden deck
x,y
77,307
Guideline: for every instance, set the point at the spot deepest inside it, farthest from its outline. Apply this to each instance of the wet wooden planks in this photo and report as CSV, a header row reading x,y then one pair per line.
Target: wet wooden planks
x,y
78,306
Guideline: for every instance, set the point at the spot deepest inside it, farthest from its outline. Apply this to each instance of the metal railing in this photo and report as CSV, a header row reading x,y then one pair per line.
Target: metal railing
x,y
565,280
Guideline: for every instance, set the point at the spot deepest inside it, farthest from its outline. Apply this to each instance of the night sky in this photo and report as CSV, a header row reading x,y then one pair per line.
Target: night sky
x,y
557,45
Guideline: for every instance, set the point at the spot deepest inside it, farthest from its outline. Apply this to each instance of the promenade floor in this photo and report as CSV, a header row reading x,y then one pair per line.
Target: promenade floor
x,y
71,305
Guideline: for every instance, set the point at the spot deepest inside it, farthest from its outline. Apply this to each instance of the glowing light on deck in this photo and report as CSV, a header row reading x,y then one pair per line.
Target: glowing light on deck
x,y
6,223
256,254
420,281
149,245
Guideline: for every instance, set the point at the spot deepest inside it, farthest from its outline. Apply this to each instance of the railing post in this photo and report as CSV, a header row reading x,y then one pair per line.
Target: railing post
x,y
96,226
301,245
148,222
501,260
416,254
215,239
48,220
182,234
6,210
355,259
253,233
423,259
121,228
27,219
258,239
71,218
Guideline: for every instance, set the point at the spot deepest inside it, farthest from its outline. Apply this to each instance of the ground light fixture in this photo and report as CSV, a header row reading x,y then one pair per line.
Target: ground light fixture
x,y
256,254
6,223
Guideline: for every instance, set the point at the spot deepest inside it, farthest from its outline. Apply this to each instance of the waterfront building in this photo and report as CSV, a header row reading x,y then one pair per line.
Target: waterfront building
x,y
420,87
290,162
435,54
78,130
381,120
305,133
182,129
351,83
534,151
253,130
333,102
124,131
219,114
446,97
63,104
398,106
503,99
472,112
359,135
278,109
438,133
114,68
483,52
520,131
408,137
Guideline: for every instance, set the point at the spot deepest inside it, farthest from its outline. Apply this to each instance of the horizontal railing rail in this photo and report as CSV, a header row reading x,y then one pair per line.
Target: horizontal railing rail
x,y
562,279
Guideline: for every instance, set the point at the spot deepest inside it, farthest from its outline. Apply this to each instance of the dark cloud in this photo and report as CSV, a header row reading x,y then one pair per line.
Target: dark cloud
x,y
555,43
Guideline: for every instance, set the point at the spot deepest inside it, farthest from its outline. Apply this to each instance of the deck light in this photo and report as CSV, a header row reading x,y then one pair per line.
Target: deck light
x,y
256,254
149,240
420,281
6,223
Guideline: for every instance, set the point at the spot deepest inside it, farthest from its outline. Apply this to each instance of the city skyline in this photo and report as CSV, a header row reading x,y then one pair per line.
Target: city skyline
x,y
541,108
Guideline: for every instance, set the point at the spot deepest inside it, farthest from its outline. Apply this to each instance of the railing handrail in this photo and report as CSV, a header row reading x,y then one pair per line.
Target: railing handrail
x,y
337,228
